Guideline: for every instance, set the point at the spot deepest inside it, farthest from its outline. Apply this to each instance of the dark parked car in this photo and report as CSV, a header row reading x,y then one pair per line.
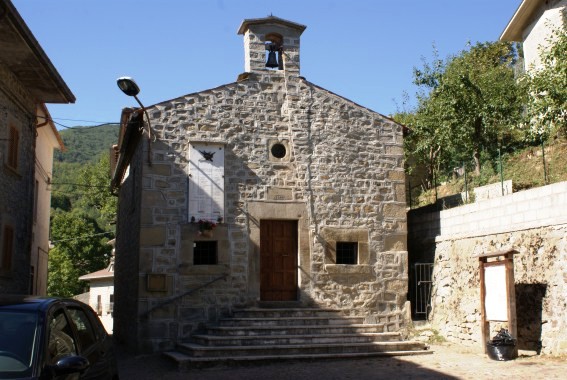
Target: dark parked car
x,y
50,338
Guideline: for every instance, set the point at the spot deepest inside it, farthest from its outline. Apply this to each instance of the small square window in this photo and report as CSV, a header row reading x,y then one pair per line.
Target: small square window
x,y
205,253
347,252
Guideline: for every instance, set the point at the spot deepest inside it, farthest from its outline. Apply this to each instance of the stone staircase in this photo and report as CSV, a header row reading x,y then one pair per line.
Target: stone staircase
x,y
265,334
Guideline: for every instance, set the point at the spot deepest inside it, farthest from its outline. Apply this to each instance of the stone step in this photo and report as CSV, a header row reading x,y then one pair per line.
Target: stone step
x,y
291,321
185,361
281,305
211,340
257,312
274,333
200,351
294,330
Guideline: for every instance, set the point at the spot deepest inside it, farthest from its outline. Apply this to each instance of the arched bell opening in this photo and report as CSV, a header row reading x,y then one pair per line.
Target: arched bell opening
x,y
274,51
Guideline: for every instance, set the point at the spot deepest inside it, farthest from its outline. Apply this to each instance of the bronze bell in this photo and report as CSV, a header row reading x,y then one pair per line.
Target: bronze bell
x,y
280,59
272,59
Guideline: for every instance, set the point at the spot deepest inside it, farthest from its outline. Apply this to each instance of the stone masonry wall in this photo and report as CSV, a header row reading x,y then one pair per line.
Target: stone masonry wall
x,y
127,258
345,171
16,195
534,223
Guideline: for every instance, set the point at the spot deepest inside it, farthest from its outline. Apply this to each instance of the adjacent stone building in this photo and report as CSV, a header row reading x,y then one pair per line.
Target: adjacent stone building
x,y
270,189
28,80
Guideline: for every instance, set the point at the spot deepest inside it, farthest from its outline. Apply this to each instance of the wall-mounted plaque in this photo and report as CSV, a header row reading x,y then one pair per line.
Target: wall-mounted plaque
x,y
496,295
156,282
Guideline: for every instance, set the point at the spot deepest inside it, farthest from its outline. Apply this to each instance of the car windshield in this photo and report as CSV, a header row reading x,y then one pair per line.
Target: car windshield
x,y
18,332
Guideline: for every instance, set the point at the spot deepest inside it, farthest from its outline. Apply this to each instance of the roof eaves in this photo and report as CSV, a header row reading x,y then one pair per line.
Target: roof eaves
x,y
13,17
98,275
131,122
49,121
521,18
350,101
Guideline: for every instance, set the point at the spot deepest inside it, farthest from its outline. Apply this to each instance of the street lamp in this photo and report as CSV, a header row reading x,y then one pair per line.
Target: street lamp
x,y
130,88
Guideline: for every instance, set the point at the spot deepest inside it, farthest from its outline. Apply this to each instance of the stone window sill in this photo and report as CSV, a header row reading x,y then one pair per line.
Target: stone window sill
x,y
348,269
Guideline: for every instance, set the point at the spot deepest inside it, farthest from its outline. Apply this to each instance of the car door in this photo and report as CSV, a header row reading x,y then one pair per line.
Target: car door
x,y
96,348
60,342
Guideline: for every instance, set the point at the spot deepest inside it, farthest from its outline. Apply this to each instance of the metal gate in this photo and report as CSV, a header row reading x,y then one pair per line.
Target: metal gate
x,y
422,301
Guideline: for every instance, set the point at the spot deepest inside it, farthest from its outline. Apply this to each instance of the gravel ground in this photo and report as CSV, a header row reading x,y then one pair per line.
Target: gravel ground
x,y
447,362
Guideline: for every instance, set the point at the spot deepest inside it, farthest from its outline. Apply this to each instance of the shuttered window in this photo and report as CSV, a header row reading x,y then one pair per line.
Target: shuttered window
x,y
206,182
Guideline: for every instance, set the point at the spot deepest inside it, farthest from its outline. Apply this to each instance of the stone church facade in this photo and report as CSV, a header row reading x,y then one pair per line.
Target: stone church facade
x,y
269,190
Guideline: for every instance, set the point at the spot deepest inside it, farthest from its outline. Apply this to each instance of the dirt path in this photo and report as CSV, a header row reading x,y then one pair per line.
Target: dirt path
x,y
447,362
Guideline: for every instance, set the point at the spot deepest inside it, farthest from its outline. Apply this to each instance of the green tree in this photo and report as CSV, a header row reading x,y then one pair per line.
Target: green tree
x,y
60,202
79,249
94,180
86,143
466,105
424,142
546,88
82,214
478,100
430,136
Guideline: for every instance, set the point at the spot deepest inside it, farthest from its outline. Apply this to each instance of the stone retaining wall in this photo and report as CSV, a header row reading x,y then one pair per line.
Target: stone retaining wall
x,y
534,222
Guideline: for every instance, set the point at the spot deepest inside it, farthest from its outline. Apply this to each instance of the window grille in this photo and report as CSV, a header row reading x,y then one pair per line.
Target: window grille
x,y
205,253
347,252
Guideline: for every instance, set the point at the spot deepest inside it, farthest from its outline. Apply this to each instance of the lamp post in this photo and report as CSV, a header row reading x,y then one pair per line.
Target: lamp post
x,y
129,87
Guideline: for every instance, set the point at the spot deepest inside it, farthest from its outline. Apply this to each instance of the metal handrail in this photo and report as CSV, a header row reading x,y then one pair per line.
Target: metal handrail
x,y
173,299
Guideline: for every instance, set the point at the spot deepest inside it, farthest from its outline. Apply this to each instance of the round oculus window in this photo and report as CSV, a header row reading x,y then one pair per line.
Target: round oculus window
x,y
278,150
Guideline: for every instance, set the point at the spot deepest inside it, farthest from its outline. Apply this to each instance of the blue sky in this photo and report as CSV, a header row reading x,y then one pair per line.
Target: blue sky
x,y
364,50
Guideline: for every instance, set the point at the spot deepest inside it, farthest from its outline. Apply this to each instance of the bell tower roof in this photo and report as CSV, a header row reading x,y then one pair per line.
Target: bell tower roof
x,y
269,20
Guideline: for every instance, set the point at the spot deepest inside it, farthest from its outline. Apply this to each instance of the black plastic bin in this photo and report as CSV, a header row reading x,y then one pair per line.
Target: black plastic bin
x,y
502,346
501,352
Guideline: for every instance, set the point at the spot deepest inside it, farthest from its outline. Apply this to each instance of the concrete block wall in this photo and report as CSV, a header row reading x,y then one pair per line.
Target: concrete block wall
x,y
523,210
493,190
